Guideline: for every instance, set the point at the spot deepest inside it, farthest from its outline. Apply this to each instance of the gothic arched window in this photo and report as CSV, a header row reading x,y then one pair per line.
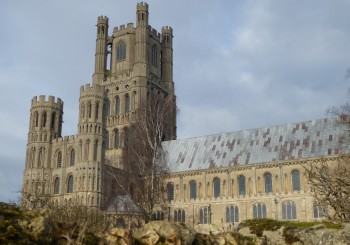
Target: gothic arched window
x,y
95,150
193,189
96,110
59,159
216,184
259,210
44,118
41,158
36,119
72,157
107,140
70,184
89,109
56,189
241,185
268,182
117,105
170,191
108,108
296,180
158,215
318,212
232,214
204,215
127,103
179,215
121,51
154,57
289,210
116,138
53,117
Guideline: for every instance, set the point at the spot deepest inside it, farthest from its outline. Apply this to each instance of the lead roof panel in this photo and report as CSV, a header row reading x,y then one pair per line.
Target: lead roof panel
x,y
292,141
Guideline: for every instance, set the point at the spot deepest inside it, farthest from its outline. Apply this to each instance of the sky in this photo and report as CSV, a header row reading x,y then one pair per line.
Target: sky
x,y
237,64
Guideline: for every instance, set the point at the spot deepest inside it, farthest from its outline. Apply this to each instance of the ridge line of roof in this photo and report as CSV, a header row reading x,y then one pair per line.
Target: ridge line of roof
x,y
274,126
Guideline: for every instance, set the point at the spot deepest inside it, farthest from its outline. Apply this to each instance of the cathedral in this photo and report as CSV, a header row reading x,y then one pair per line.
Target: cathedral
x,y
219,179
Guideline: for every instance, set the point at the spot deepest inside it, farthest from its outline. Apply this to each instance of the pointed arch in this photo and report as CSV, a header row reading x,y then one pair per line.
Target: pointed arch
x,y
117,105
56,189
70,184
72,157
121,51
268,182
216,186
44,119
127,103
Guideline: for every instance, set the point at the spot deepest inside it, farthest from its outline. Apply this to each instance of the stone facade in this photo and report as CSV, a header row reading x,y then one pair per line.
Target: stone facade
x,y
220,179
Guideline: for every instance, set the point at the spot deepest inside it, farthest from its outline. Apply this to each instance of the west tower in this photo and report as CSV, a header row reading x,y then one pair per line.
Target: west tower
x,y
133,63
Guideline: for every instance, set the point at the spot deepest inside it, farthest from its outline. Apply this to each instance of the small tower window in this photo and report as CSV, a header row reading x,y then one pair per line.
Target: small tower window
x,y
116,138
53,117
89,109
96,110
121,51
95,150
59,159
36,119
72,157
117,105
44,120
127,103
154,57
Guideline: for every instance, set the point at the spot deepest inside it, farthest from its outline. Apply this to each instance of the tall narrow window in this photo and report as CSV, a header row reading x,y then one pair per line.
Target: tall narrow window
x,y
259,211
126,137
216,183
72,157
96,110
53,117
70,184
87,149
107,108
232,214
241,185
268,183
289,210
36,119
204,215
89,109
95,150
107,140
116,138
59,159
32,157
170,191
318,212
154,57
121,51
296,180
117,105
193,189
56,189
82,111
44,118
179,215
127,103
41,157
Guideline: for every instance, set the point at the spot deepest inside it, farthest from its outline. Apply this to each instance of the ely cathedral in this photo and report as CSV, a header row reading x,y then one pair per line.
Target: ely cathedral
x,y
226,178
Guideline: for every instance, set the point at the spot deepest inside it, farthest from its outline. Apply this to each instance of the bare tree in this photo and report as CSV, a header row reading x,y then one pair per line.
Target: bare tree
x,y
330,178
36,195
142,177
330,183
79,221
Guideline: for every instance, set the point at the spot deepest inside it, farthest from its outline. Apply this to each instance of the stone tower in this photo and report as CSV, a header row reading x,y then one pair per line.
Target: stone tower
x,y
45,125
131,65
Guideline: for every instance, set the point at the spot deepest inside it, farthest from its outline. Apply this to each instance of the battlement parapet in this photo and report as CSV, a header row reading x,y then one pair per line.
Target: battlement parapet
x,y
49,102
167,30
121,28
142,6
88,89
102,20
